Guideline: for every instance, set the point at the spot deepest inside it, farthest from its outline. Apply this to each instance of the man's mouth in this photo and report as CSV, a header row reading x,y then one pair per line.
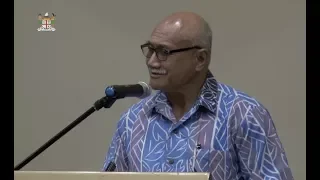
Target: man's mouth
x,y
157,73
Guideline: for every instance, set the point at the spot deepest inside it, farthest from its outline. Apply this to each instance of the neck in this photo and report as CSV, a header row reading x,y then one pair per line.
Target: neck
x,y
182,100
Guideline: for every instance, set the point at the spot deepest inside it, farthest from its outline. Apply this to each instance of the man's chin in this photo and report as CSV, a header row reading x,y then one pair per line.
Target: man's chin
x,y
156,85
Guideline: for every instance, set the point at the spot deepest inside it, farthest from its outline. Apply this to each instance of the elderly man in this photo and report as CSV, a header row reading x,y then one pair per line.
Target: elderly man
x,y
194,123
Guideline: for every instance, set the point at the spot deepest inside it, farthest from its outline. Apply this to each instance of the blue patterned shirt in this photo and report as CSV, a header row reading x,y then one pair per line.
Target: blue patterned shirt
x,y
226,133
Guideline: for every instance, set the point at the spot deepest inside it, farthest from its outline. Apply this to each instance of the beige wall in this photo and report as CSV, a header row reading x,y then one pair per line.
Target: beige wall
x,y
258,47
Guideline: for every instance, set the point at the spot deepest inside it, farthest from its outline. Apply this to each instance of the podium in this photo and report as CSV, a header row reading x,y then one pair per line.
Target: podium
x,y
83,175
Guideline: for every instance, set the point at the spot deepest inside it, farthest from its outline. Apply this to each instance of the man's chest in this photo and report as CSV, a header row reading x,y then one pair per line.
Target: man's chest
x,y
200,143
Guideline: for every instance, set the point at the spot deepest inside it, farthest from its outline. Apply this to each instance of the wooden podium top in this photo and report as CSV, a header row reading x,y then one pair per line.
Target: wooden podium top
x,y
84,175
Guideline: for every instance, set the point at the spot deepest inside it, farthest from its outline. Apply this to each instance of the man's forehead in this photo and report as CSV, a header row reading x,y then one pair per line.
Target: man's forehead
x,y
159,44
167,30
170,25
169,40
169,44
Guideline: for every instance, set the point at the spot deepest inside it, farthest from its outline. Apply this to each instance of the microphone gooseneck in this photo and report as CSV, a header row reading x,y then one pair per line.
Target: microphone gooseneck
x,y
54,138
140,90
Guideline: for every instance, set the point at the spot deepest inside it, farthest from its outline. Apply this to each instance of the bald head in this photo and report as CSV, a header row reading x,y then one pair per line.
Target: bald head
x,y
178,52
187,26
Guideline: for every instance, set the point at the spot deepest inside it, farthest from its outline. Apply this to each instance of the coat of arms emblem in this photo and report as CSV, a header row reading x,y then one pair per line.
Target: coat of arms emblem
x,y
47,22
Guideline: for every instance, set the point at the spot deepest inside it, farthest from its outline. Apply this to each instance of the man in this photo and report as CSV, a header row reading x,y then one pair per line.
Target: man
x,y
195,123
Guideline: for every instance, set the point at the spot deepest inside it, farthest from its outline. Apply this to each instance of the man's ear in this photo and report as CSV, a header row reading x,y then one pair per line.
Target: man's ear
x,y
202,59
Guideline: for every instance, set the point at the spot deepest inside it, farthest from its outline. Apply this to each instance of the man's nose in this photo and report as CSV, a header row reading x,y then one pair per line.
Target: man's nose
x,y
153,61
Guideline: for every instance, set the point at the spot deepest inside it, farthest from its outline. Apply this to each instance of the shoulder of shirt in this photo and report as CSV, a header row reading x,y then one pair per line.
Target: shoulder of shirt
x,y
236,97
244,112
144,104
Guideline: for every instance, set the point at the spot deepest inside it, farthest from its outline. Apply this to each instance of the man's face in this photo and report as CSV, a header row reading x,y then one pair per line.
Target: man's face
x,y
171,72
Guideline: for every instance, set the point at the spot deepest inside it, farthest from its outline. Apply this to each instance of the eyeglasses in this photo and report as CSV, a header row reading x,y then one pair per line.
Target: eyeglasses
x,y
161,52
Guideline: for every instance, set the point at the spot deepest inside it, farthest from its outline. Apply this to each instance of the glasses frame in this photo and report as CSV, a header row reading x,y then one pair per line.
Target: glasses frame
x,y
168,52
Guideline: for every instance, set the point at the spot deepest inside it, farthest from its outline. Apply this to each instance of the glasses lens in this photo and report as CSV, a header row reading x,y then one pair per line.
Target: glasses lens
x,y
162,54
147,51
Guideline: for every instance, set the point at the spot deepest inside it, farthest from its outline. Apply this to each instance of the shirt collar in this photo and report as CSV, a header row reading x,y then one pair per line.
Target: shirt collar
x,y
209,93
207,97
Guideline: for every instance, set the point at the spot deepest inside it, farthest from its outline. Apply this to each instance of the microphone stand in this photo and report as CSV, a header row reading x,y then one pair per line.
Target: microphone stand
x,y
103,102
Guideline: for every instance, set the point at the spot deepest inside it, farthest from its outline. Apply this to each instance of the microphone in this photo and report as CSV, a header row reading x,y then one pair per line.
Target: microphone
x,y
140,90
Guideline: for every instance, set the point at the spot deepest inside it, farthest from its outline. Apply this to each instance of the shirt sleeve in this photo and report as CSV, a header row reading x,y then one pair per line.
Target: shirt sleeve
x,y
117,148
260,152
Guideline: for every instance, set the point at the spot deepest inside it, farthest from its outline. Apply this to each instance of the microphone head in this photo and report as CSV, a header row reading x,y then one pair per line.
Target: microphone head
x,y
146,90
139,90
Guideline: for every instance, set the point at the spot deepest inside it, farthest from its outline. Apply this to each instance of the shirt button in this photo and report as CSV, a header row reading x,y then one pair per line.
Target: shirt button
x,y
170,161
